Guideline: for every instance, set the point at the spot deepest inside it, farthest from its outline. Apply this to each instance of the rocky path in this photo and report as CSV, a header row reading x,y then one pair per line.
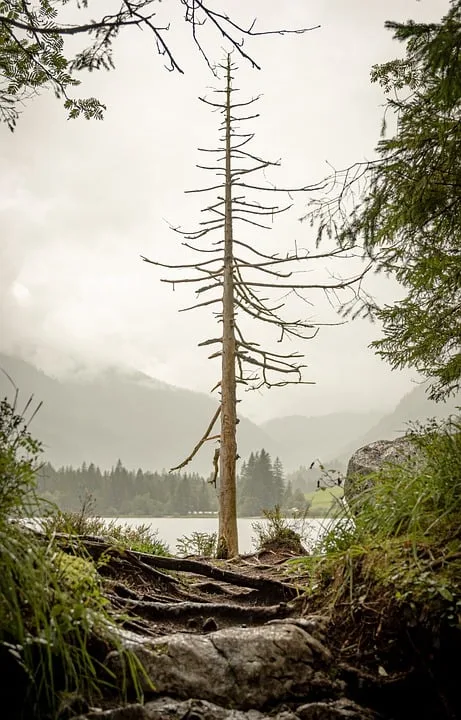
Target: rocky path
x,y
221,640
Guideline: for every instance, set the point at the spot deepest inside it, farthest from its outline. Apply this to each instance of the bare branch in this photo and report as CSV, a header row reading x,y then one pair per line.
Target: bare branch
x,y
213,341
203,439
341,284
202,304
178,267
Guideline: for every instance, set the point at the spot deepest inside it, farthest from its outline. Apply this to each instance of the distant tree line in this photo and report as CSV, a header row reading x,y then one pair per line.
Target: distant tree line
x,y
123,492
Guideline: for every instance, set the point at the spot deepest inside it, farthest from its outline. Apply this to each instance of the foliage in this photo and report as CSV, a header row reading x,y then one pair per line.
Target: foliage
x,y
278,533
135,494
19,458
261,483
406,204
395,553
198,543
31,61
33,55
141,538
54,626
78,575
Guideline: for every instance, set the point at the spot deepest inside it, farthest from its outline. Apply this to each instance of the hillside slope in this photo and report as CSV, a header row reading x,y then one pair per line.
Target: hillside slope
x,y
305,439
143,422
415,406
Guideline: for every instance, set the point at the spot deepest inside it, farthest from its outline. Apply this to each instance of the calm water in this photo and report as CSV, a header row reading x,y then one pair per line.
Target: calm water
x,y
170,529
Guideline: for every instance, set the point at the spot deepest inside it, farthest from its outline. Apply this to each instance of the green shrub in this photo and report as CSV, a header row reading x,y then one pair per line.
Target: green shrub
x,y
54,627
278,532
140,538
398,545
198,543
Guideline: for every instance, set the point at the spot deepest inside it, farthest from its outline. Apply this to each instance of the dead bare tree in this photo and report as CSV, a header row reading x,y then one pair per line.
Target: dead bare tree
x,y
239,277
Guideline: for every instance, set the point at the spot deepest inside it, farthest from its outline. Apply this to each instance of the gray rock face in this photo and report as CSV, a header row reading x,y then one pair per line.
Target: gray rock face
x,y
279,671
169,709
237,667
372,458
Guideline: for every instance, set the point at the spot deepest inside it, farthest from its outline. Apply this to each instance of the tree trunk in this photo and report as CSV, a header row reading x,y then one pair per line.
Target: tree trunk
x,y
228,536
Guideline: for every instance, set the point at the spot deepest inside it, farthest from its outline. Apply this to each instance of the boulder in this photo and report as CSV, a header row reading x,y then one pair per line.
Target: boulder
x,y
238,667
372,458
167,708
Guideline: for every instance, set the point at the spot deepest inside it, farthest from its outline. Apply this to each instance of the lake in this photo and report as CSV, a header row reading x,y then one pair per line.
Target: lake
x,y
170,529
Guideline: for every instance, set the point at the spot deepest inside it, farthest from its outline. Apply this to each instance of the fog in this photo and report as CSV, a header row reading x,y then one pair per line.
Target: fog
x,y
82,200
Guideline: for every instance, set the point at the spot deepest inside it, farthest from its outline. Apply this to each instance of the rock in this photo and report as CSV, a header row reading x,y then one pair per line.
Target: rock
x,y
315,625
371,458
236,667
169,709
336,710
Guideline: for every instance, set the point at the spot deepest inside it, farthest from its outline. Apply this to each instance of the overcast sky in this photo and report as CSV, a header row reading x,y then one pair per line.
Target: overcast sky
x,y
80,201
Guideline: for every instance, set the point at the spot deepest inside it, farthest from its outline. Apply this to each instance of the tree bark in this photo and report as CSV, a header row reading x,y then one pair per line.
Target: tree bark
x,y
228,536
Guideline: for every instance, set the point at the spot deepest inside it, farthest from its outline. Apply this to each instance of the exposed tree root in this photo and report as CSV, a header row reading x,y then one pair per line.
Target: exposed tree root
x,y
98,548
272,589
183,611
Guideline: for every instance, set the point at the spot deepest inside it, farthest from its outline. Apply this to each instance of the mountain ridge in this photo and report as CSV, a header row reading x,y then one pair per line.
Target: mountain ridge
x,y
415,406
146,423
121,415
309,438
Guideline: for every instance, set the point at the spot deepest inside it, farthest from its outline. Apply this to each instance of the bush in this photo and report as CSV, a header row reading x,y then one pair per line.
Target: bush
x,y
277,533
396,550
54,628
199,543
140,538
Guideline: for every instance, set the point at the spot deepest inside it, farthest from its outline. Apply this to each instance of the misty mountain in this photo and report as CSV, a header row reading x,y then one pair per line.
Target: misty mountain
x,y
114,415
153,425
415,406
305,439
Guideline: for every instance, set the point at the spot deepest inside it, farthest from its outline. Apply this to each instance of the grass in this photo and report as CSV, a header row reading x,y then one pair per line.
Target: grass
x,y
393,560
279,533
140,538
55,631
324,501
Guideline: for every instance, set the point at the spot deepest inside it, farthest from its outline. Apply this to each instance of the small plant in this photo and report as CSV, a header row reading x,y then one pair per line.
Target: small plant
x,y
141,538
330,477
19,459
278,533
199,543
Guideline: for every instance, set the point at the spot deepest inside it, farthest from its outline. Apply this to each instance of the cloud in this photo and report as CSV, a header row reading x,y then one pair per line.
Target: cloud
x,y
81,201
